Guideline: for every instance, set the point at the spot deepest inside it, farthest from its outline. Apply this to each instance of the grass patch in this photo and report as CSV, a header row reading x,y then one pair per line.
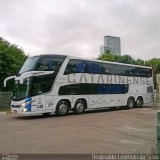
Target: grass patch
x,y
5,109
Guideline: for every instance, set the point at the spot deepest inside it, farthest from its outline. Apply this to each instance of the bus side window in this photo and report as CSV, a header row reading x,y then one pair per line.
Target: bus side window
x,y
129,71
110,68
120,70
136,72
150,89
142,72
105,69
94,68
97,69
89,68
75,66
148,72
81,67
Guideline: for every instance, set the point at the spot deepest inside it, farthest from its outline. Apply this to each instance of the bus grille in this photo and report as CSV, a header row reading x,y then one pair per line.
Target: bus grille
x,y
15,106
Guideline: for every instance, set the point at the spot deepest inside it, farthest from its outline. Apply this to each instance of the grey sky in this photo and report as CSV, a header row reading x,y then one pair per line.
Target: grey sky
x,y
77,27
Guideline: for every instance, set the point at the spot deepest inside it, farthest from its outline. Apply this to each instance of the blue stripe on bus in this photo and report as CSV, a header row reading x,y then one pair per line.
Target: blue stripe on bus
x,y
28,106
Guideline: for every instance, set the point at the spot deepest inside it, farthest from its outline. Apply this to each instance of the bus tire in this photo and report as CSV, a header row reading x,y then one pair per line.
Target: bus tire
x,y
62,108
130,103
79,106
139,102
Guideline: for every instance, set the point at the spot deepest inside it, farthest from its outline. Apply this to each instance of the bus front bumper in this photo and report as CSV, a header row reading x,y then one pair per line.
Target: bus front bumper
x,y
23,111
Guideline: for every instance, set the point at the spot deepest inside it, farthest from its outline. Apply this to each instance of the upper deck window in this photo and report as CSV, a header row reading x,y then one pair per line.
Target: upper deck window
x,y
49,64
75,66
83,66
42,63
28,65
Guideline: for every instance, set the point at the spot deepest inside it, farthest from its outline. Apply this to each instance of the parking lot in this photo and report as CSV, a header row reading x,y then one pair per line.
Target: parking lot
x,y
105,131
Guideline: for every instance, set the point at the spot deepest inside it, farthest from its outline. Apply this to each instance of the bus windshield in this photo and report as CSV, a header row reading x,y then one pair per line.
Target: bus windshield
x,y
28,65
42,63
39,84
21,91
33,86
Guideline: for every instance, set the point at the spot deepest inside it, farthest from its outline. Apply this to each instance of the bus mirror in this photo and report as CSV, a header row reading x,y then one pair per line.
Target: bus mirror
x,y
8,78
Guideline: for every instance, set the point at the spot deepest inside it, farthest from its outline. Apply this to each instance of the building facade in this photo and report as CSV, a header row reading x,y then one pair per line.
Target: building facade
x,y
111,44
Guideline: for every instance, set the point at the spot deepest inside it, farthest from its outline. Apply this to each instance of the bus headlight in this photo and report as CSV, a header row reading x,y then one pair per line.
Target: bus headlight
x,y
23,105
24,110
26,106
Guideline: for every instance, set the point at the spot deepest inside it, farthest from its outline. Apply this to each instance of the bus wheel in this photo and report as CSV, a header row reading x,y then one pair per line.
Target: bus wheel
x,y
79,106
130,103
62,108
139,102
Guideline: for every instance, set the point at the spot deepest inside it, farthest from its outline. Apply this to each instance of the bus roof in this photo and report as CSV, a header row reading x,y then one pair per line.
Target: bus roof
x,y
46,55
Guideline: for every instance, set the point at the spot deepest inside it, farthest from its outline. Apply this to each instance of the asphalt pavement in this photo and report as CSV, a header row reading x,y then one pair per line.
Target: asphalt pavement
x,y
99,131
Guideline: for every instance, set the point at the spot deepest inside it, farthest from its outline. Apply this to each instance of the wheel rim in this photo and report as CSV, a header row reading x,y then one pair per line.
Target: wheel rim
x,y
139,103
63,108
130,103
80,107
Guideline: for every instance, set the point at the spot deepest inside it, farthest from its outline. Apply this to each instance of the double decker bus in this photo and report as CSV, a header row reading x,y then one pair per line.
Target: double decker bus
x,y
58,84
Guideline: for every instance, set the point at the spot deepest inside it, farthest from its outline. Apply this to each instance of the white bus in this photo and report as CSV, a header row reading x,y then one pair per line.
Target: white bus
x,y
59,84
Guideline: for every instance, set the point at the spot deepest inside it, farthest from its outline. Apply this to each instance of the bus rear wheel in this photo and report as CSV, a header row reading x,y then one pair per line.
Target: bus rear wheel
x,y
130,103
79,106
62,108
139,102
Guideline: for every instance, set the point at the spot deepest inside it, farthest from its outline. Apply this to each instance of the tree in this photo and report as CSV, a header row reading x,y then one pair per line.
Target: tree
x,y
126,59
107,57
117,58
155,64
140,62
11,58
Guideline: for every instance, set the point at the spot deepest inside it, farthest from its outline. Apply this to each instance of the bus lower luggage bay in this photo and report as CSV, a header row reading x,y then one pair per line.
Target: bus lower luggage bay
x,y
59,84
